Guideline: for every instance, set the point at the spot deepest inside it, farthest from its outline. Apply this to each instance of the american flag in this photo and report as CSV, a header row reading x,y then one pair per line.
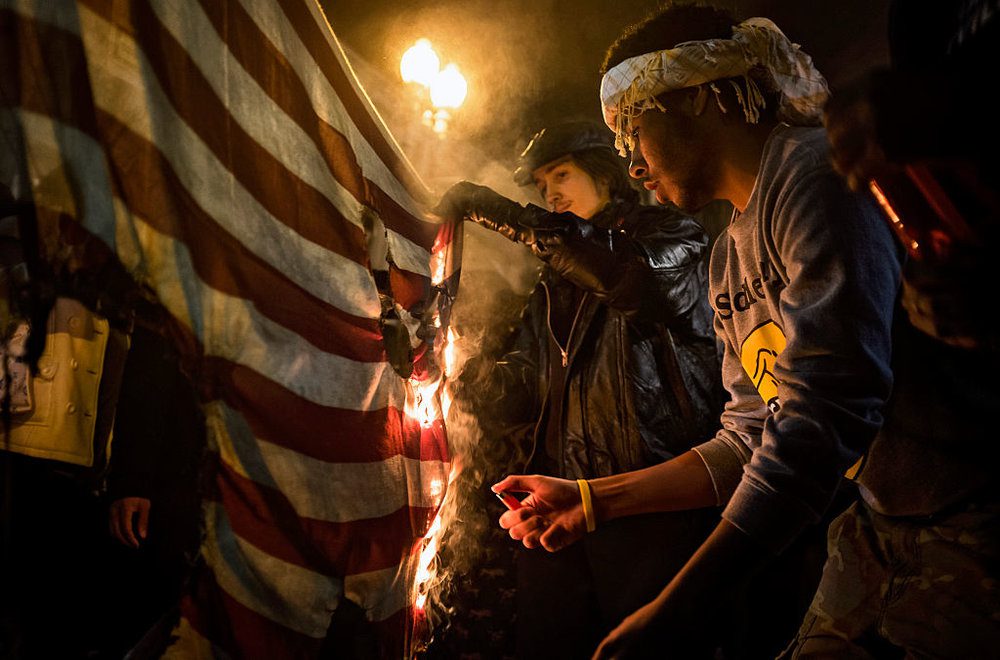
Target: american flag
x,y
225,154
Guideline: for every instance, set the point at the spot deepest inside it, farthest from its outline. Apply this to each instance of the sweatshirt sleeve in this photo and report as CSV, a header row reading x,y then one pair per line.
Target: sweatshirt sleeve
x,y
742,423
834,377
842,270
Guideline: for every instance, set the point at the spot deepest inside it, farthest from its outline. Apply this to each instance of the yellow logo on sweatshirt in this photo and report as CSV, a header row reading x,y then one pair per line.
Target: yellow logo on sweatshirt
x,y
758,354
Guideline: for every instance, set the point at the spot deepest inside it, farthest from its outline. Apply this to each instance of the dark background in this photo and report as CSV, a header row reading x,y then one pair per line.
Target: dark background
x,y
530,63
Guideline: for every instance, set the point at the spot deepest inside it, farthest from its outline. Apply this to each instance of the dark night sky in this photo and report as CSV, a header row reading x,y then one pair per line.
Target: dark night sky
x,y
534,62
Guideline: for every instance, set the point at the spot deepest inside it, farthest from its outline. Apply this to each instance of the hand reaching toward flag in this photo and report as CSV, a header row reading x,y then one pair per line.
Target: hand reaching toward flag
x,y
551,516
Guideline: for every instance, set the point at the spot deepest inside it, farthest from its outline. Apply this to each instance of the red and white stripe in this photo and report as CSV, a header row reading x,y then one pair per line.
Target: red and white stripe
x,y
224,152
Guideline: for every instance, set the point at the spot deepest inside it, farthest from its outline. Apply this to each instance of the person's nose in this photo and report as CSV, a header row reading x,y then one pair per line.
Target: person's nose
x,y
637,167
552,197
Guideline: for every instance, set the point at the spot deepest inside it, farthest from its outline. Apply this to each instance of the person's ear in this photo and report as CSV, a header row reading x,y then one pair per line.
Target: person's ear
x,y
604,187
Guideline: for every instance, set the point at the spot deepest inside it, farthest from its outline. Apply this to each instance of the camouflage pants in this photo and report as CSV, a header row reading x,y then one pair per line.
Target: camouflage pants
x,y
896,587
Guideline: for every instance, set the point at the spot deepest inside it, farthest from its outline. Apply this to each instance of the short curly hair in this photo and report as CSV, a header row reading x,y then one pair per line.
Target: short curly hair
x,y
666,27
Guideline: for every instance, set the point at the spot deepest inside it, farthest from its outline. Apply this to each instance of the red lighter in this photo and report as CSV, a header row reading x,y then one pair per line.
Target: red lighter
x,y
509,500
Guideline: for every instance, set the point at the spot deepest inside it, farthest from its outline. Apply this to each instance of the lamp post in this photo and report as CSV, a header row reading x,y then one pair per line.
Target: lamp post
x,y
420,64
440,91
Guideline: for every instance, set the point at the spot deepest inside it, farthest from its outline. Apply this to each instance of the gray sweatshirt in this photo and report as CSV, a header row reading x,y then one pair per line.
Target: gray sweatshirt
x,y
803,284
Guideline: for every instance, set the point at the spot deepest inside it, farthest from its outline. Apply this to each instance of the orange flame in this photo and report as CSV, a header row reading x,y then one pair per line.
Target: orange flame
x,y
422,402
439,261
426,566
450,354
427,401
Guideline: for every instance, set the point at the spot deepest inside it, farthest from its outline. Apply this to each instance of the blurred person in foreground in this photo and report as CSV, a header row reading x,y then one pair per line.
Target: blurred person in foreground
x,y
804,284
923,131
613,367
921,136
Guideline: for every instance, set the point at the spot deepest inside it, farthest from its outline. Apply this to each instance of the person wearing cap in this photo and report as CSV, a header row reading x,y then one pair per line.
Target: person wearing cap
x,y
804,284
613,367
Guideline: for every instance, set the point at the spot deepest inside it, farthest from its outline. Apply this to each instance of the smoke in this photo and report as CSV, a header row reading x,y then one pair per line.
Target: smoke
x,y
472,545
516,72
497,277
529,63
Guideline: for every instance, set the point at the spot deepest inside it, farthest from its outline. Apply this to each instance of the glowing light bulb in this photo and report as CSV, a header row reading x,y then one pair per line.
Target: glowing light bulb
x,y
420,64
448,89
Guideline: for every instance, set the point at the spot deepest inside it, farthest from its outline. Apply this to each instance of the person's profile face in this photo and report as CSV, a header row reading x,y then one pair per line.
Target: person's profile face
x,y
672,156
566,187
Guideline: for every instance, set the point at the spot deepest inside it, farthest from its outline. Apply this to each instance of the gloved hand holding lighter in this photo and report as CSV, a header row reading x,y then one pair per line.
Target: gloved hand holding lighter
x,y
597,259
591,257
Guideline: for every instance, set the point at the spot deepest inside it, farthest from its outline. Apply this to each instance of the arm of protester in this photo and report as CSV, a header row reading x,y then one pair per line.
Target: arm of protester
x,y
650,267
673,278
552,509
128,520
742,423
552,516
675,620
489,209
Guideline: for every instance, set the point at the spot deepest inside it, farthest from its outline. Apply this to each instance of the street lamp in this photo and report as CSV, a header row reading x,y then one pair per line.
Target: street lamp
x,y
440,90
420,64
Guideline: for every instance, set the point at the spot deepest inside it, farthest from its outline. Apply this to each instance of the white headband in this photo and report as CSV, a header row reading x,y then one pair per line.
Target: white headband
x,y
631,88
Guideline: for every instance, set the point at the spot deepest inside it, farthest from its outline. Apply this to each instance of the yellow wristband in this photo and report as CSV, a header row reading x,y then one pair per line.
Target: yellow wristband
x,y
588,504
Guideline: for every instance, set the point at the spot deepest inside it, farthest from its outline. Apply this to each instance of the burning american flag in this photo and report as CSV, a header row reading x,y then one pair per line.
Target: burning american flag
x,y
224,153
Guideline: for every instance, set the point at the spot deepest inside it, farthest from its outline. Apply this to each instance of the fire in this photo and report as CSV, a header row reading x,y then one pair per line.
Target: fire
x,y
450,353
422,402
450,356
445,401
426,564
427,401
439,261
437,486
427,567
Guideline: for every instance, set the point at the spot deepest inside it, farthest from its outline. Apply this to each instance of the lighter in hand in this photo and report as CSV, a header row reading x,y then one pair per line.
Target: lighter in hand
x,y
509,500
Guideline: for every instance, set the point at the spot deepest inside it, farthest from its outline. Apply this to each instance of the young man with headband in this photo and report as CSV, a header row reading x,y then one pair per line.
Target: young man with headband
x,y
804,284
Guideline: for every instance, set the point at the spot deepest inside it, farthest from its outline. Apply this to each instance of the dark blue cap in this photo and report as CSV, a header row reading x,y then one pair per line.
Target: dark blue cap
x,y
557,141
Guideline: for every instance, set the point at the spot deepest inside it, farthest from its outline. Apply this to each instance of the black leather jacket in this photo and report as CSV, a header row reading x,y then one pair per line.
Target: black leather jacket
x,y
642,382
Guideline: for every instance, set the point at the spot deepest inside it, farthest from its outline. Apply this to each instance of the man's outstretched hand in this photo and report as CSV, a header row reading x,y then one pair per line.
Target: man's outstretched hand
x,y
551,516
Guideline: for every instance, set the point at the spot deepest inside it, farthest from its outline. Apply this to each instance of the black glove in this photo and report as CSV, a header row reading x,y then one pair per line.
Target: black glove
x,y
593,258
468,201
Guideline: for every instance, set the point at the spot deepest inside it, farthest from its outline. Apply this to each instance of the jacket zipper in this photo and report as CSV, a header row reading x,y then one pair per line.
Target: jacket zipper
x,y
565,363
564,352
